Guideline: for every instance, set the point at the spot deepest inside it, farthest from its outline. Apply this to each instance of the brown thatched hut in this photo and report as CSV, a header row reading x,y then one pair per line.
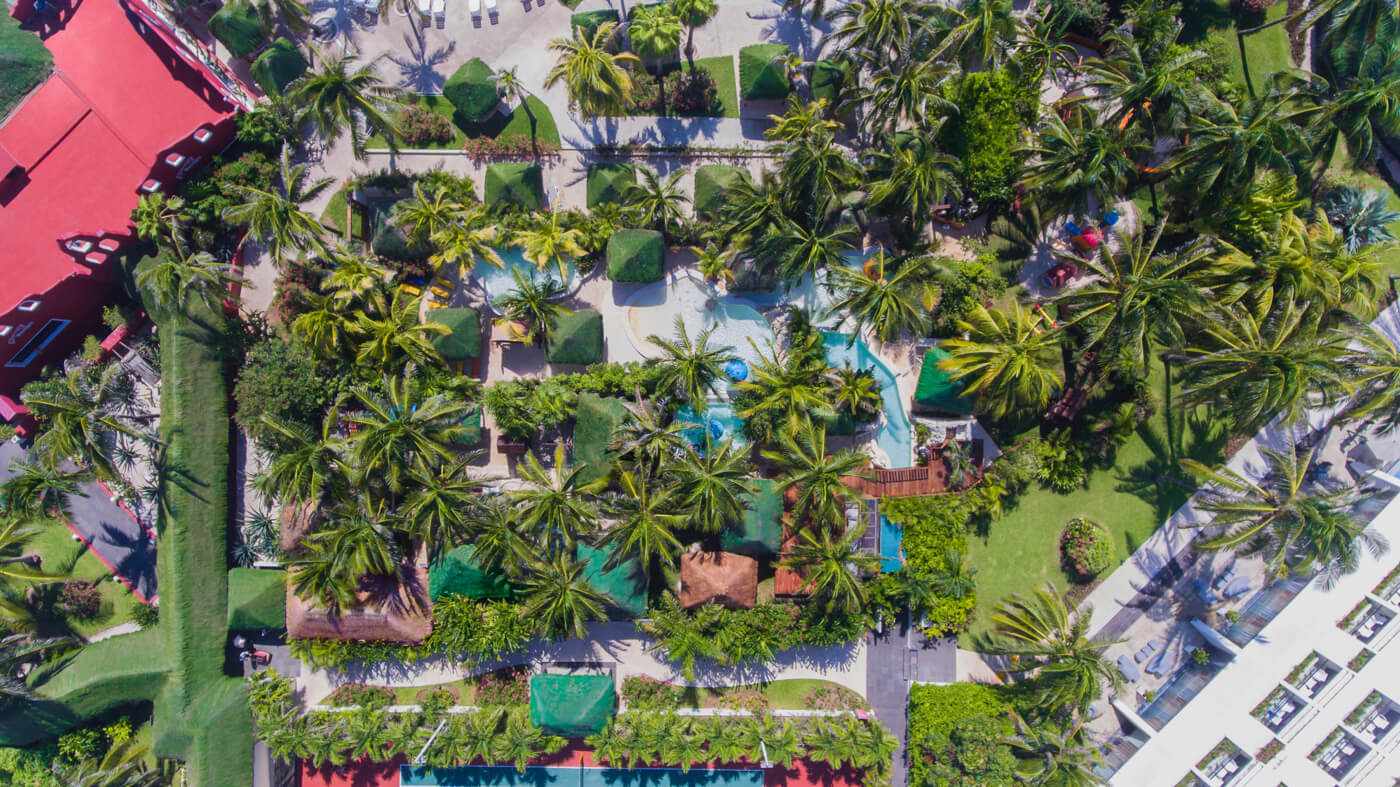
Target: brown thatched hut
x,y
718,578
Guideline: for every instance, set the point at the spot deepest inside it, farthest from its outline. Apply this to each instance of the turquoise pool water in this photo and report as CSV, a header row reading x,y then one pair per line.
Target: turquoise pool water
x,y
809,292
717,424
574,776
891,545
501,281
896,434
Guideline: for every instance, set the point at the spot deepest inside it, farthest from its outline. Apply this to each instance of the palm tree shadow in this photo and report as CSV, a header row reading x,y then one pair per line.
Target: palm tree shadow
x,y
418,70
1160,481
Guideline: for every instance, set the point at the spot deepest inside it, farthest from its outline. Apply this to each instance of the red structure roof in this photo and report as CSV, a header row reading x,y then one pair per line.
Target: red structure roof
x,y
77,149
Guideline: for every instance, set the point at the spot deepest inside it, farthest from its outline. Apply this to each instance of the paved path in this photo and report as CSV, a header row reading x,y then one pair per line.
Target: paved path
x,y
896,660
613,643
112,534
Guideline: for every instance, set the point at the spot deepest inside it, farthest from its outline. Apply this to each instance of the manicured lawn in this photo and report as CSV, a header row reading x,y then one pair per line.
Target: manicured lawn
x,y
501,128
783,694
1130,499
721,69
24,63
1267,50
334,214
59,551
410,695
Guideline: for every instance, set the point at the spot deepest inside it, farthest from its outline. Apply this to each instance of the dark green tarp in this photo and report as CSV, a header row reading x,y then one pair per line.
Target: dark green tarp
x,y
937,391
457,573
464,341
760,534
574,706
623,585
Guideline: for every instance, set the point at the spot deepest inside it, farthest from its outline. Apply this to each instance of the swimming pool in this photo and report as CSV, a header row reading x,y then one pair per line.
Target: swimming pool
x,y
653,309
896,434
501,281
891,545
809,292
574,776
718,423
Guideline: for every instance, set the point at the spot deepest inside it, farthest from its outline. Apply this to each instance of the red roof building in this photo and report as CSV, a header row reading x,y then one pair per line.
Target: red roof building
x,y
130,100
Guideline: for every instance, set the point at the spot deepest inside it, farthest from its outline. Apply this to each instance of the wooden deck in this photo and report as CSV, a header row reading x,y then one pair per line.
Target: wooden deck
x,y
930,479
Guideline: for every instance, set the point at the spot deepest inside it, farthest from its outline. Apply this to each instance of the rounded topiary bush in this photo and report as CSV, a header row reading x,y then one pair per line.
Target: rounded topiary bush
x,y
278,66
518,184
636,256
761,73
1084,548
473,91
577,337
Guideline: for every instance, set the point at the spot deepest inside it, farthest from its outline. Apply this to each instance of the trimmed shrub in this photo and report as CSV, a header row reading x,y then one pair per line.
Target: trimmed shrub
x,y
608,182
278,66
473,91
81,599
278,379
577,337
827,79
636,256
596,417
1084,548
518,184
712,185
941,717
422,126
761,76
590,21
257,599
238,28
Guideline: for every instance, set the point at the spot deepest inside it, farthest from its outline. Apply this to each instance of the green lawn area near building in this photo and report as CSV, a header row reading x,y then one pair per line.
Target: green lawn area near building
x,y
1341,170
1267,50
721,69
24,63
1131,499
334,214
411,695
71,558
502,128
791,694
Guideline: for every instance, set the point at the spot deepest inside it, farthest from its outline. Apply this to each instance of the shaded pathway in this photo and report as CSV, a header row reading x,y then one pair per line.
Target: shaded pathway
x,y
895,660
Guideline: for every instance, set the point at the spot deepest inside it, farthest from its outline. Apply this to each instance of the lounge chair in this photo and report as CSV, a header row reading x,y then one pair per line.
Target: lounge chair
x,y
439,13
1145,651
1237,587
491,10
474,7
1224,578
1129,669
1382,722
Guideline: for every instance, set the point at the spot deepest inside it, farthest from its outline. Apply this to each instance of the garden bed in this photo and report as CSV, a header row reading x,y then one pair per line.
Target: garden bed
x,y
56,546
513,128
721,70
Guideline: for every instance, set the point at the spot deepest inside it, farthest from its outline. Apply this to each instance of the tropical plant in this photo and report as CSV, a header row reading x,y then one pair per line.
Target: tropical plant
x,y
647,441
656,203
1084,160
596,80
402,426
546,242
797,250
715,263
514,90
465,241
390,333
122,765
427,213
78,416
535,302
644,529
1136,83
1363,217
1231,142
693,14
352,276
341,96
856,393
711,486
1053,753
873,30
916,179
818,478
158,218
292,13
834,566
560,598
654,30
784,387
1008,360
906,90
35,490
17,650
1373,364
691,369
888,305
441,510
275,214
308,465
983,32
554,507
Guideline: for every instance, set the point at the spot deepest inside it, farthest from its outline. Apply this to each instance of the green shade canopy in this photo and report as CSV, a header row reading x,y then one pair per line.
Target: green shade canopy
x,y
238,28
573,706
257,599
761,72
713,182
464,341
937,391
760,534
623,585
590,21
472,91
608,182
577,337
278,66
457,573
636,256
515,183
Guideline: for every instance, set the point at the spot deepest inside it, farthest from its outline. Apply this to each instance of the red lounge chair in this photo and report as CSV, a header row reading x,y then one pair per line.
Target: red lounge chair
x,y
1060,275
96,259
150,186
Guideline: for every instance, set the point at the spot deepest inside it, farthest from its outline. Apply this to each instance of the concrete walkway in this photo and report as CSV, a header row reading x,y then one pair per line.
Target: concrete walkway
x,y
617,644
112,534
897,659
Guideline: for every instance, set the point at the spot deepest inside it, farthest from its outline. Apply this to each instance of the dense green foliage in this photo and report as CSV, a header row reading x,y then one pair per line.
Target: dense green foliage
x,y
577,338
993,109
519,185
636,256
473,91
523,407
464,631
1085,549
956,736
761,72
24,63
238,27
278,66
713,183
738,636
279,380
595,420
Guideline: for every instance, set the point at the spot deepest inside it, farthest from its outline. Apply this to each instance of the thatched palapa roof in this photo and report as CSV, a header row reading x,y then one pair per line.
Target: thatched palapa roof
x,y
718,578
385,611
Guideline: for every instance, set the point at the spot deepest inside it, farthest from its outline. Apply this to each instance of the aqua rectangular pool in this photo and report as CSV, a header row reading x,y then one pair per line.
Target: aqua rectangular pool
x,y
891,545
574,776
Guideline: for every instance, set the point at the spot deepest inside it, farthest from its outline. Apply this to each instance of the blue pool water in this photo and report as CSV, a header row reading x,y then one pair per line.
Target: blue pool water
x,y
501,281
719,423
809,292
896,433
891,545
574,776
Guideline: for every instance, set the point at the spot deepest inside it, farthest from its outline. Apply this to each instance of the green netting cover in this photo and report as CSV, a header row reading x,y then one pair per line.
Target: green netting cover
x,y
623,585
472,425
760,534
278,66
573,706
464,341
713,183
761,75
595,419
636,256
937,391
577,337
518,184
238,28
608,182
257,599
826,80
456,573
473,91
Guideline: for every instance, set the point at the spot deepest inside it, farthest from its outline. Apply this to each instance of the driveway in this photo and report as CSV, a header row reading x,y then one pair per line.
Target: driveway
x,y
895,660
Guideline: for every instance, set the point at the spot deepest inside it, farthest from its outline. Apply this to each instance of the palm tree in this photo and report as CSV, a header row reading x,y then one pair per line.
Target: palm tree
x,y
464,242
560,599
1042,49
76,415
554,506
1373,365
799,250
1137,296
352,276
499,543
160,218
1230,142
1297,530
391,333
1039,633
647,440
306,466
712,486
715,263
693,14
276,214
1083,159
1008,360
16,650
785,386
323,326
1306,263
654,31
35,489
856,393
535,302
342,94
171,280
985,30
1359,110
1355,30
401,427
122,765
1363,217
887,306
833,566
691,369
292,13
441,510
1133,83
873,30
547,242
597,82
1259,368
817,175
426,214
1054,754
16,569
955,578
655,203
818,477
906,90
644,528
358,542
916,178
